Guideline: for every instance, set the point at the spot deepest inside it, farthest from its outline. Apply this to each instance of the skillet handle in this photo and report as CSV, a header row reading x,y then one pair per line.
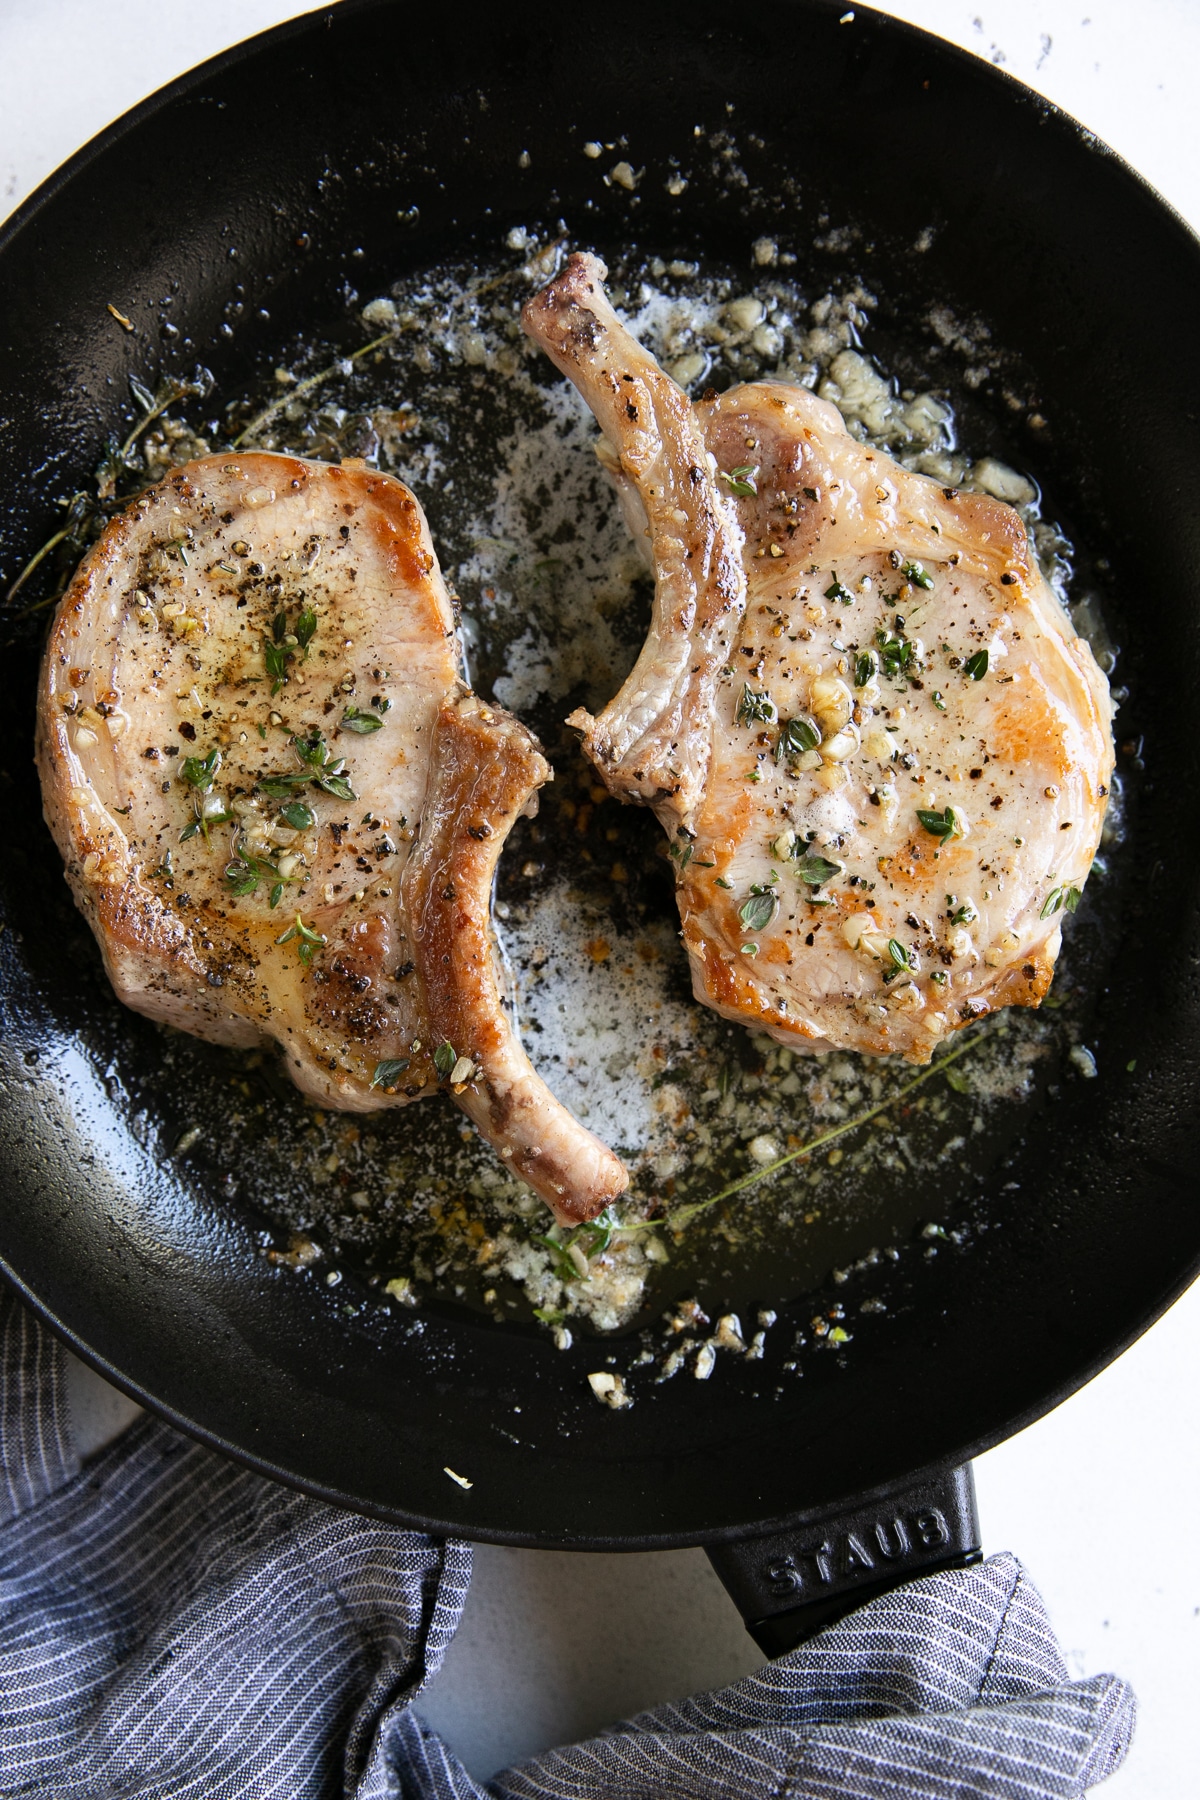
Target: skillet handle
x,y
790,1584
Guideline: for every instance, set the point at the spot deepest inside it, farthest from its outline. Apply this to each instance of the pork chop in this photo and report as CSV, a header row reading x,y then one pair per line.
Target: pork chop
x,y
878,748
279,806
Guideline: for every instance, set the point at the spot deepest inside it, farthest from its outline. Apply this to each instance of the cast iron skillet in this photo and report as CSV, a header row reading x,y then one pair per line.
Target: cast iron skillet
x,y
266,183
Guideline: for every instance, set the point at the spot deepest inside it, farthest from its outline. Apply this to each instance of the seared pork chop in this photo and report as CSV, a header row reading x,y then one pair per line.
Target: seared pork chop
x,y
281,809
879,749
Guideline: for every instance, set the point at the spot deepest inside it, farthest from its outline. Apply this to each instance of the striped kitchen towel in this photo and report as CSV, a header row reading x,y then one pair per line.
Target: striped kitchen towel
x,y
176,1628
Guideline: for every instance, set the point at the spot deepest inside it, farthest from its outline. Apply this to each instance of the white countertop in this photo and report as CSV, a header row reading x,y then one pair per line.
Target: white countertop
x,y
1099,1499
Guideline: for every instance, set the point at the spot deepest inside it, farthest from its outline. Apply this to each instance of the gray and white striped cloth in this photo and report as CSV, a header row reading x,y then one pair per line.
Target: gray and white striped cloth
x,y
174,1628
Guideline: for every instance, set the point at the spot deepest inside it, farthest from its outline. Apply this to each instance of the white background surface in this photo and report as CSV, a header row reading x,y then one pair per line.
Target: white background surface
x,y
1100,1499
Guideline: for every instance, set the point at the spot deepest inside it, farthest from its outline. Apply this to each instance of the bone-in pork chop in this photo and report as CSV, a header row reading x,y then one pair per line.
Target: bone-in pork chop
x,y
879,749
279,806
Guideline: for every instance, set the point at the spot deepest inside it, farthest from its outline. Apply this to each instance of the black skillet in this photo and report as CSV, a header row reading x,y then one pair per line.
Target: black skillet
x,y
268,182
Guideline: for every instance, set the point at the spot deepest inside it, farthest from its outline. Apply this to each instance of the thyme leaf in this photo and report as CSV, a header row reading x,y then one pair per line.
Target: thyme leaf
x,y
741,480
817,870
353,720
388,1072
243,874
281,646
312,750
597,1232
590,1239
759,909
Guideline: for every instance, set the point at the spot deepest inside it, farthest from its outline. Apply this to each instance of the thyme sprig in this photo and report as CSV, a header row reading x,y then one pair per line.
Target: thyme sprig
x,y
682,1216
198,773
80,512
282,645
244,872
319,768
272,412
88,511
755,706
310,941
573,1252
897,654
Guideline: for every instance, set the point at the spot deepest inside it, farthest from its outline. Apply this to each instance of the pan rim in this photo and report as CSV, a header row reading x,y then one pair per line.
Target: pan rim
x,y
180,85
590,1542
170,94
